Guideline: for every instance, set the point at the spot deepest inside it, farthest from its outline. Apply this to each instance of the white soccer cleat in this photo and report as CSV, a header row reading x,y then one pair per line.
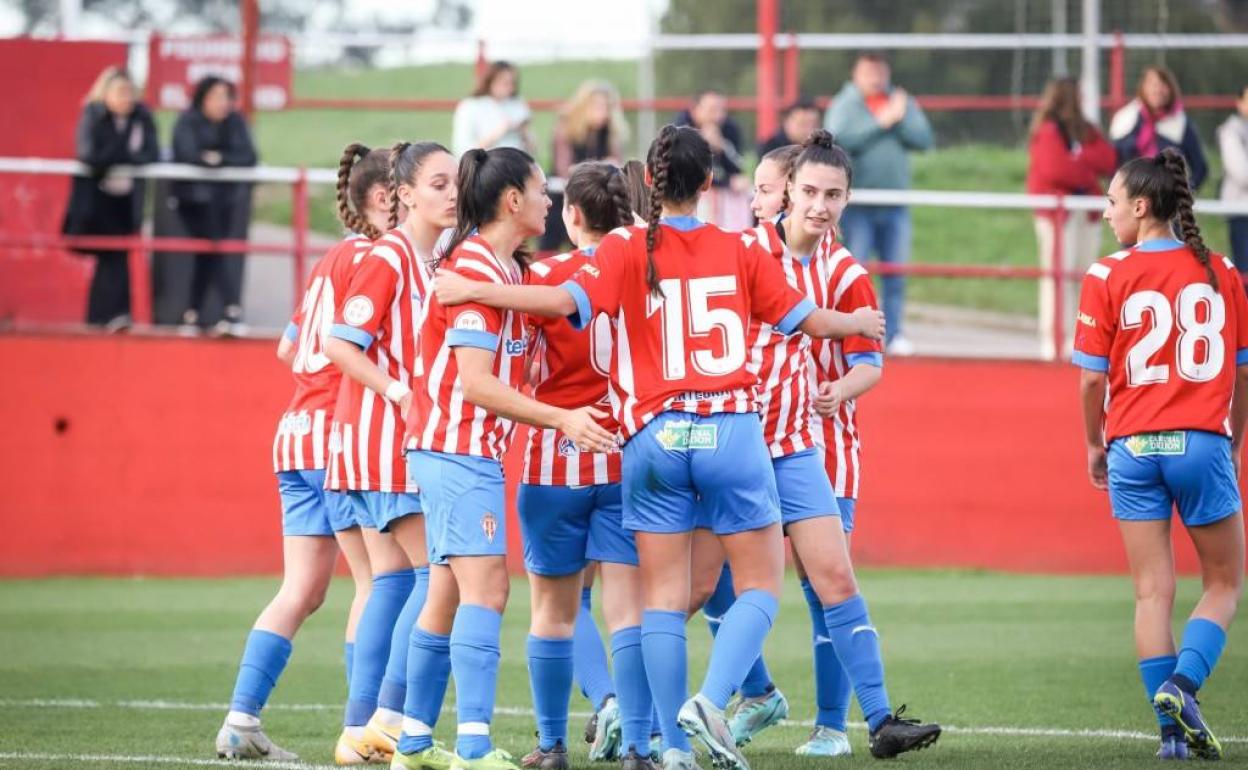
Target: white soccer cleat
x,y
825,742
234,742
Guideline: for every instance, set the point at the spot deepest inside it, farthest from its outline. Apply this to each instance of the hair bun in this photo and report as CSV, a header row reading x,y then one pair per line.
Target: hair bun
x,y
820,137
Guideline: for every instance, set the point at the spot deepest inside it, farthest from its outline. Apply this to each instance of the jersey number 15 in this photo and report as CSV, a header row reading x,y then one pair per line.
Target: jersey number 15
x,y
703,320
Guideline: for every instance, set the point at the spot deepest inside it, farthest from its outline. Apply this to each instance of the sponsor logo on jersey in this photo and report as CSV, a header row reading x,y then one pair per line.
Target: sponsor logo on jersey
x,y
1171,442
297,423
1084,318
680,435
358,310
514,347
471,321
489,526
589,270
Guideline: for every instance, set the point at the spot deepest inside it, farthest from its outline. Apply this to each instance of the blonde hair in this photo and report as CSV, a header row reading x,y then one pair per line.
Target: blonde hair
x,y
105,79
573,114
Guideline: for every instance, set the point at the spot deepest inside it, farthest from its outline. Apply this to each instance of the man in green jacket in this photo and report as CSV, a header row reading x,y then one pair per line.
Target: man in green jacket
x,y
878,124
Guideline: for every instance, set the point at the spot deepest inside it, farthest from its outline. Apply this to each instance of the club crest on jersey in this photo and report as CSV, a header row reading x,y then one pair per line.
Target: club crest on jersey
x,y
567,447
681,435
358,310
489,526
471,321
1171,442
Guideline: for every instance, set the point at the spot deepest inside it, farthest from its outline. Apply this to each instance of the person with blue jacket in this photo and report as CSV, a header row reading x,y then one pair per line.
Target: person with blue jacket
x,y
879,124
1155,120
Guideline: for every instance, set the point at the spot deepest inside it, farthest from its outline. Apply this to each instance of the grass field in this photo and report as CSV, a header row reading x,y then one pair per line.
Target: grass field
x,y
1025,672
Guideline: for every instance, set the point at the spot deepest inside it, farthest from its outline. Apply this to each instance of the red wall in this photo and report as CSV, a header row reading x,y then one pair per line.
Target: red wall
x,y
152,455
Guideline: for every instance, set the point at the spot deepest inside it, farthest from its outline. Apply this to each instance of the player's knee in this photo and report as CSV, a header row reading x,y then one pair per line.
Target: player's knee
x,y
1155,590
833,582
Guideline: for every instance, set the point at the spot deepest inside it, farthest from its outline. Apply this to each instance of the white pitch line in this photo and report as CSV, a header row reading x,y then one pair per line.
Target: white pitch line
x,y
514,711
140,759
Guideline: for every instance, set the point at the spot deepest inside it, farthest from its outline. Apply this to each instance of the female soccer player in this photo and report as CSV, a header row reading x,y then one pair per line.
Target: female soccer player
x,y
682,294
312,517
1163,327
569,504
374,342
472,358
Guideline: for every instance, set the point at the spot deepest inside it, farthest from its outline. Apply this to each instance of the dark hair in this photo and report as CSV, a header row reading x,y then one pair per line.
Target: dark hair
x,y
205,85
1162,181
801,105
359,170
493,71
1060,104
679,162
404,161
1167,77
600,191
784,157
875,57
484,175
821,147
638,192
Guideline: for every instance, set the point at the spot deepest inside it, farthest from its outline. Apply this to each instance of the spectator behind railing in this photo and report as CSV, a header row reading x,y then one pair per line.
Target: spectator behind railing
x,y
114,129
878,124
1233,144
797,122
1067,156
213,134
590,126
1154,120
709,114
495,115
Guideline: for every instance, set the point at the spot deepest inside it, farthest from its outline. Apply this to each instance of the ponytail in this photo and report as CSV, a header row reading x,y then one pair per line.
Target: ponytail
x,y
1172,160
483,178
359,169
657,165
467,216
392,189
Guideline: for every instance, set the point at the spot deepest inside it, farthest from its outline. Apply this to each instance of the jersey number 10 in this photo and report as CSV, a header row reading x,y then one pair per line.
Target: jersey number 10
x,y
703,320
1191,333
318,318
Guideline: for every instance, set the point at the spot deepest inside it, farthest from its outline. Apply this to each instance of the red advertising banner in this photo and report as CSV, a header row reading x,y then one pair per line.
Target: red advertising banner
x,y
176,64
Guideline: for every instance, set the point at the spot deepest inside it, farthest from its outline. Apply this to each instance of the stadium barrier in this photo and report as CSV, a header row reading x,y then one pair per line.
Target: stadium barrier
x,y
728,208
149,455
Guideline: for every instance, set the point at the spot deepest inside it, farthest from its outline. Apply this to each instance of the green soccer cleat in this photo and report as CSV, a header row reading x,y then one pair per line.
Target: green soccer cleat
x,y
495,759
432,758
604,745
753,715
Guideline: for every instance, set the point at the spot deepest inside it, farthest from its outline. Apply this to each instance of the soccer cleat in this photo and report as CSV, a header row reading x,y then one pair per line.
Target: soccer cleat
x,y
495,759
631,760
358,751
382,736
701,719
897,735
1183,708
825,742
753,715
605,743
234,742
555,758
675,759
432,758
1173,746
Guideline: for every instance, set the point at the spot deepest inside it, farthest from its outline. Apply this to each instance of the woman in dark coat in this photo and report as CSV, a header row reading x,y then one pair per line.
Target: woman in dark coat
x,y
114,129
213,134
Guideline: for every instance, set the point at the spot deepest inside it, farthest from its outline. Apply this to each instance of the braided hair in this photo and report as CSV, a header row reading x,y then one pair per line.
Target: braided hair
x,y
359,170
405,161
679,162
1163,182
638,192
601,192
784,157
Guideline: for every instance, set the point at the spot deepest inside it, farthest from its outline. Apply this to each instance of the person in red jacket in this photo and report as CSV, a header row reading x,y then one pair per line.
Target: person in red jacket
x,y
1067,156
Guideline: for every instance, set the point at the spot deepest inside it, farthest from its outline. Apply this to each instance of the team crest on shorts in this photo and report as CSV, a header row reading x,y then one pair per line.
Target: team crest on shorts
x,y
489,526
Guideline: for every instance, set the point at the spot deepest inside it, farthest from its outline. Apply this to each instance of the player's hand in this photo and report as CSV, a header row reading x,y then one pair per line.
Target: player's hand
x,y
870,322
1098,467
211,157
405,405
452,288
581,425
828,399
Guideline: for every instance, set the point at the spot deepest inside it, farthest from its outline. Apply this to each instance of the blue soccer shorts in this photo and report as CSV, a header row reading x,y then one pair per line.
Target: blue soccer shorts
x,y
564,528
1151,474
464,502
378,510
310,509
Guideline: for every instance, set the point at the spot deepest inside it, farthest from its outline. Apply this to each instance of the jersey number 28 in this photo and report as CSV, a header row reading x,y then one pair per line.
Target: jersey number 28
x,y
1192,333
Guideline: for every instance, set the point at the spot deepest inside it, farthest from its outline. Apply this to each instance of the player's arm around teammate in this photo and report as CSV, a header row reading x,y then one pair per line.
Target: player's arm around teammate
x,y
374,341
1163,330
311,514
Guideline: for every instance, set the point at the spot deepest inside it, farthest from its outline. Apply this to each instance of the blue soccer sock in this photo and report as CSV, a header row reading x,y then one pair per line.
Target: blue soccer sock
x,y
264,659
857,645
394,682
428,671
550,676
1154,672
372,643
665,651
589,659
1202,645
720,600
348,659
632,690
474,662
738,644
832,690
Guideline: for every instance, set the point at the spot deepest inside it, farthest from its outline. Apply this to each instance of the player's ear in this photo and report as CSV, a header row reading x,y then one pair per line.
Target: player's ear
x,y
1139,207
706,184
379,198
515,199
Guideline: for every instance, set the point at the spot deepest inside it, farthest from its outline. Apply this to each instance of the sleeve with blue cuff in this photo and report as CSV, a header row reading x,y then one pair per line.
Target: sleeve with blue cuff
x,y
870,359
351,334
794,317
292,331
1241,357
1090,362
584,311
471,338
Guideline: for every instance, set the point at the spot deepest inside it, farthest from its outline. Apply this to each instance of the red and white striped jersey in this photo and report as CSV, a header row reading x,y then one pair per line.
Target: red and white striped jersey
x,y
685,350
848,287
573,369
440,419
302,438
381,313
